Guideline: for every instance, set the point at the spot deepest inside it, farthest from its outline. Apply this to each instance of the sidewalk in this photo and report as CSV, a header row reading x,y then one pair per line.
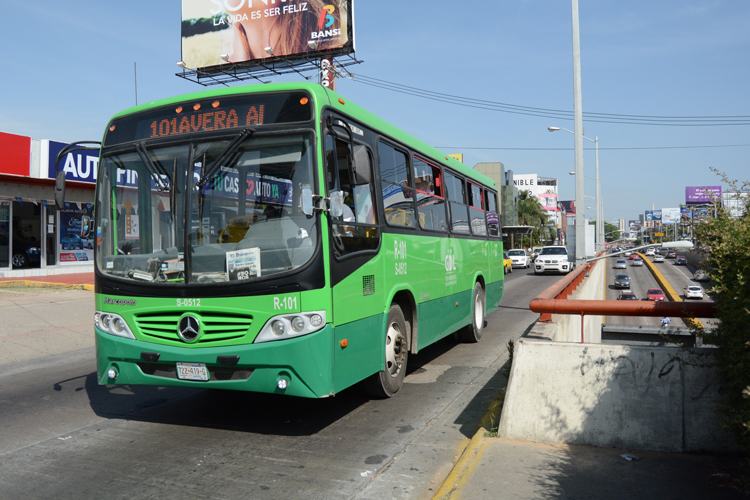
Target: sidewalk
x,y
494,468
76,281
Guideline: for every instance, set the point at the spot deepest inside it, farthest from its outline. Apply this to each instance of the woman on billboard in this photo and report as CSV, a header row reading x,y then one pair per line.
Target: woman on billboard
x,y
288,28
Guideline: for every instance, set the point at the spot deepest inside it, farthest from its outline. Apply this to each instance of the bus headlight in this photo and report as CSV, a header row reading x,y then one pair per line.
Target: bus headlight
x,y
112,324
287,326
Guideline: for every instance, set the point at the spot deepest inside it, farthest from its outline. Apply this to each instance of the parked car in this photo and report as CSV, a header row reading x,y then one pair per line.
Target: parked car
x,y
622,281
25,253
680,261
520,258
552,259
700,275
638,262
658,258
655,294
507,263
627,295
693,292
621,264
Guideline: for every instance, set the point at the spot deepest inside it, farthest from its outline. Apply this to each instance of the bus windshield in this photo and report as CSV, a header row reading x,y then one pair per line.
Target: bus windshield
x,y
163,217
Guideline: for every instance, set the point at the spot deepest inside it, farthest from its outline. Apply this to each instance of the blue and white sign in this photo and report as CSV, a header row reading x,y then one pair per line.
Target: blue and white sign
x,y
78,166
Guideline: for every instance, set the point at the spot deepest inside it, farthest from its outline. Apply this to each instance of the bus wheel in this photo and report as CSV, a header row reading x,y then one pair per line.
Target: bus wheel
x,y
387,383
472,333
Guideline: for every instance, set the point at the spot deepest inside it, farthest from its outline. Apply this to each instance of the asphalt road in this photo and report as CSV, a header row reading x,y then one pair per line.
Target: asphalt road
x,y
64,436
641,280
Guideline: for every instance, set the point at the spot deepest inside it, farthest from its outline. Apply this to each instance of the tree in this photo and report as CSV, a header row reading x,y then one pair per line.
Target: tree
x,y
727,241
531,213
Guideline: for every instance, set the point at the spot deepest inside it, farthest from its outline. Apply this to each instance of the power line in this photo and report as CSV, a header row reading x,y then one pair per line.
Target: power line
x,y
603,149
675,121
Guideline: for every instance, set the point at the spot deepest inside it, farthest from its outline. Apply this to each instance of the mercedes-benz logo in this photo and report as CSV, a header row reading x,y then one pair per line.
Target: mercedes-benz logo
x,y
188,328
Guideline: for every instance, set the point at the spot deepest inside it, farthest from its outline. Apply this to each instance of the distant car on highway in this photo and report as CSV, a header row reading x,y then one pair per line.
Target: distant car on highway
x,y
622,281
634,256
638,262
656,295
621,264
627,295
658,258
671,254
693,292
680,261
650,252
628,253
700,275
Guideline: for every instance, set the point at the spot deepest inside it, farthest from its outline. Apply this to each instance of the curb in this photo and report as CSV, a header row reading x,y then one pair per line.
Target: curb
x,y
464,465
671,292
44,284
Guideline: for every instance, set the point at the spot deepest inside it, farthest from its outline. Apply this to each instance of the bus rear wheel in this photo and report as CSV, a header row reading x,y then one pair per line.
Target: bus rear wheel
x,y
473,332
386,383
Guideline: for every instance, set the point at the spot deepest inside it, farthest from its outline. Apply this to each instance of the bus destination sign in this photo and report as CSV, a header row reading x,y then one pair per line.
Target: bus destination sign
x,y
210,114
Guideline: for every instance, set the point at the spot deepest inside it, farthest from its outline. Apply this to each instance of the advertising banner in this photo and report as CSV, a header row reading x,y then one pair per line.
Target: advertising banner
x,y
649,215
670,215
702,194
549,202
76,235
220,32
78,166
656,215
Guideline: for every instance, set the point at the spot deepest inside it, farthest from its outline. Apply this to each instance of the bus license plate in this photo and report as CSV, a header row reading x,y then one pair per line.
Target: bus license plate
x,y
192,371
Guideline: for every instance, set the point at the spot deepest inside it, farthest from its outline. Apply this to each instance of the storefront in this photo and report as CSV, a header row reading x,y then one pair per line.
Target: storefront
x,y
36,238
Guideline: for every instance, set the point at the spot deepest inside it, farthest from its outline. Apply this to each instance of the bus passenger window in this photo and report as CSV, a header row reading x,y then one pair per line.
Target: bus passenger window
x,y
456,198
398,194
430,201
476,210
493,221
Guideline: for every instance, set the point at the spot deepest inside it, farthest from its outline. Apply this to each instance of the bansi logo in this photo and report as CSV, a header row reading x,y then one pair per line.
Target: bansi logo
x,y
326,17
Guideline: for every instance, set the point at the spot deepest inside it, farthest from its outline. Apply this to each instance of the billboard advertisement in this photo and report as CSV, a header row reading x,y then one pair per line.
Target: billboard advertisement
x,y
76,236
702,194
670,215
649,215
255,32
78,166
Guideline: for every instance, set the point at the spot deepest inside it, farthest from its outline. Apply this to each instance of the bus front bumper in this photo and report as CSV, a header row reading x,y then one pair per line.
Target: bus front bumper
x,y
304,364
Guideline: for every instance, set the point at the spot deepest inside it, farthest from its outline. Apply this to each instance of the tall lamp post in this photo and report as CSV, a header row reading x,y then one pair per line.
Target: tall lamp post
x,y
599,206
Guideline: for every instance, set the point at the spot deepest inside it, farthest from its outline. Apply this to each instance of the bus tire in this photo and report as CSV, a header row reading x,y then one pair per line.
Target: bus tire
x,y
471,333
386,383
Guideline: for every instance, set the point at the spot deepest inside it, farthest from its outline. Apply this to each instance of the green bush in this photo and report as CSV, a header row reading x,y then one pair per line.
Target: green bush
x,y
727,243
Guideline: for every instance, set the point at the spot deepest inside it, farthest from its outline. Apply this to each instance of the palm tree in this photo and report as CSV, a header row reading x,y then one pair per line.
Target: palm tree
x,y
531,213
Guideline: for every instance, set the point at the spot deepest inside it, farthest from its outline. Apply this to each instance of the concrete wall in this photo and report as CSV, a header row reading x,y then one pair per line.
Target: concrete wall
x,y
569,325
647,398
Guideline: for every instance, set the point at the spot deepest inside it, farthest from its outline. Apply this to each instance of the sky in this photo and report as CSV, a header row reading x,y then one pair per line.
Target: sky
x,y
69,66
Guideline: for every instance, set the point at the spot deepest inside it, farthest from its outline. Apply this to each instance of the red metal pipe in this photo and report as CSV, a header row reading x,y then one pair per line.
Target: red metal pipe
x,y
624,308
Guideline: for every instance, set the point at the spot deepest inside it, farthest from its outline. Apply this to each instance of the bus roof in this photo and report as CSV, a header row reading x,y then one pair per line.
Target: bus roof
x,y
323,97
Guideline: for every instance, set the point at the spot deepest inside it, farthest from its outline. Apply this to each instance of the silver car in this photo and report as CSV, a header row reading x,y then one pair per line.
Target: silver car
x,y
621,264
638,262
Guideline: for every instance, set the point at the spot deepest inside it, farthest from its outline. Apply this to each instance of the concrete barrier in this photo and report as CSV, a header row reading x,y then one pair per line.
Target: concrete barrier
x,y
631,397
569,325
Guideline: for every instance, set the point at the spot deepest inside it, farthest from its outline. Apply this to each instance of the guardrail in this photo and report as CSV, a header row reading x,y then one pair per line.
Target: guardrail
x,y
553,300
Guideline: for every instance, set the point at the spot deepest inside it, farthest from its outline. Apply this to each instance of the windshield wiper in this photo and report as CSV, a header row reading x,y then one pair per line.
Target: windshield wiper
x,y
211,169
152,169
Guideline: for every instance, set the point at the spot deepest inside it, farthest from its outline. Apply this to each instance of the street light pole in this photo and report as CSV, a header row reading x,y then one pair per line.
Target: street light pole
x,y
578,121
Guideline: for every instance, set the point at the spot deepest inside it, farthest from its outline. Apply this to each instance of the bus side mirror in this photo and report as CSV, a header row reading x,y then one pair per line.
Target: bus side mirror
x,y
307,202
337,203
360,165
60,190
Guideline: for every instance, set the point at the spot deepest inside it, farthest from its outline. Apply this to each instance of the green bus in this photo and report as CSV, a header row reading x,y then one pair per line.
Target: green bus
x,y
279,238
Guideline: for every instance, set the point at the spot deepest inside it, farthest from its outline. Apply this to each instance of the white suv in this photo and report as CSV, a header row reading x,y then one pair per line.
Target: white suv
x,y
552,259
520,258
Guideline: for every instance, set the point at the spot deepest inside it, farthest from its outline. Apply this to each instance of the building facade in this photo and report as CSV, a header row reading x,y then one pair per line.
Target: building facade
x,y
35,237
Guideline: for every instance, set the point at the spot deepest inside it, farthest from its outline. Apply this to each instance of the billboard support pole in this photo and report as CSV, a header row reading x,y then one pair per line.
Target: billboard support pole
x,y
327,73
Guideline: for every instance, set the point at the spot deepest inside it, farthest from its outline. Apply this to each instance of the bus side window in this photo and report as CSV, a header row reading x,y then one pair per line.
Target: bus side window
x,y
493,221
398,192
476,209
458,210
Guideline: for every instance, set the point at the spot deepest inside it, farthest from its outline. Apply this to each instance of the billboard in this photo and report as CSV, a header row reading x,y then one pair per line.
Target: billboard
x,y
256,32
649,216
670,215
702,194
569,207
78,166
